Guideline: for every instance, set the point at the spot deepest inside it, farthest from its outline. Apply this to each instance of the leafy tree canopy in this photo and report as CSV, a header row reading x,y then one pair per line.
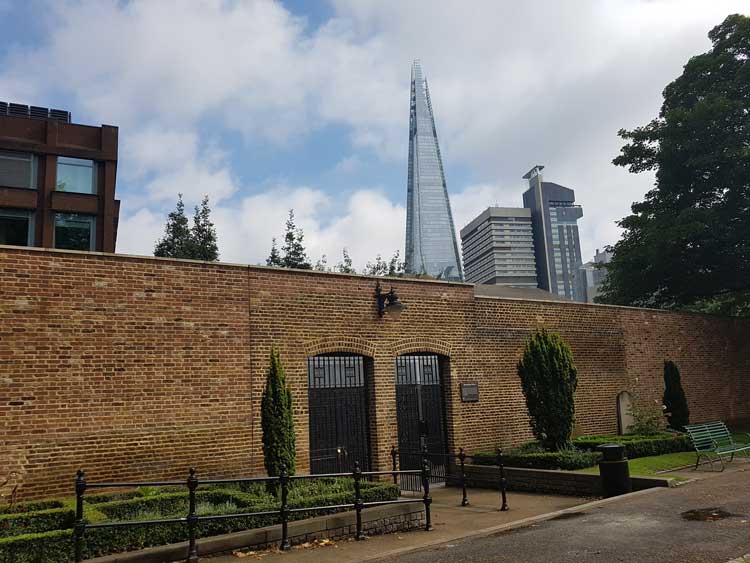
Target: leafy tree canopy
x,y
687,244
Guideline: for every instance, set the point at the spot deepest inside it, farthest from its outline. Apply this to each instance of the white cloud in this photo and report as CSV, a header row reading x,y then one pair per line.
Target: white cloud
x,y
369,225
513,84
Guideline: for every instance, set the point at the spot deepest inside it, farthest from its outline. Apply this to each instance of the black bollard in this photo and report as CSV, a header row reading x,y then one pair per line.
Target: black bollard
x,y
614,470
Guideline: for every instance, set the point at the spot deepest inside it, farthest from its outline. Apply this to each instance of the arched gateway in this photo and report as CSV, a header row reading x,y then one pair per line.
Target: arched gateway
x,y
338,406
420,409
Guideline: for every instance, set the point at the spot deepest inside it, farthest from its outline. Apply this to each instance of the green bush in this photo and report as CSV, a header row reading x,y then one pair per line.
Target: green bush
x,y
564,459
638,445
30,506
52,546
46,547
277,421
548,381
678,414
35,522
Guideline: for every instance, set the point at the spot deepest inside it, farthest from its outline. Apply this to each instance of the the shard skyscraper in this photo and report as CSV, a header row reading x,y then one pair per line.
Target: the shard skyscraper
x,y
431,246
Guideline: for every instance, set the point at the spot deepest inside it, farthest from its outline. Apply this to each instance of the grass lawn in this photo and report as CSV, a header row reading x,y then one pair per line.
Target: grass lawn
x,y
649,466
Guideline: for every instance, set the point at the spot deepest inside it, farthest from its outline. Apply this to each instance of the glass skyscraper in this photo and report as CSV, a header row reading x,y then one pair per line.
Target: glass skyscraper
x,y
431,246
554,217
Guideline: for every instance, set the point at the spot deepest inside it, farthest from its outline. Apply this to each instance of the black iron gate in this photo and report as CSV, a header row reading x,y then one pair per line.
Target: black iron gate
x,y
337,399
420,415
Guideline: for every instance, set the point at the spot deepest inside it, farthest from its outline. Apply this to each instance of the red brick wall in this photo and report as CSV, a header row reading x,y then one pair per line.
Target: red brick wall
x,y
137,367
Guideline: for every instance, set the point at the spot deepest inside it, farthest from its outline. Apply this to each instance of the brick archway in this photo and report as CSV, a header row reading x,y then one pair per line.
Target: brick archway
x,y
332,345
422,344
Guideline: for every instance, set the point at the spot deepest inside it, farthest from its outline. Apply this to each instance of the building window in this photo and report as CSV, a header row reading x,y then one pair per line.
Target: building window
x,y
76,175
74,231
16,227
17,170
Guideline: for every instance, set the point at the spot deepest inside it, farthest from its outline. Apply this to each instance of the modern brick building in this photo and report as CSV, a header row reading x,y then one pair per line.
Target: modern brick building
x,y
57,180
498,248
136,368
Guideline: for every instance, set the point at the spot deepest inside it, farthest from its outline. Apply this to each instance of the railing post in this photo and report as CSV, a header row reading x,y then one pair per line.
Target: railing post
x,y
426,497
80,525
192,517
358,503
503,482
284,481
462,460
394,467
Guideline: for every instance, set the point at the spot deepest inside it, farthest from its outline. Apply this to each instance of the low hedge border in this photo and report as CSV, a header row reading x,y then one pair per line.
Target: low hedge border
x,y
51,546
31,506
638,446
35,522
565,459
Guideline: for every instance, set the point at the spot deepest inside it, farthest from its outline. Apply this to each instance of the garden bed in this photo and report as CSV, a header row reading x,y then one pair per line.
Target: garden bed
x,y
42,532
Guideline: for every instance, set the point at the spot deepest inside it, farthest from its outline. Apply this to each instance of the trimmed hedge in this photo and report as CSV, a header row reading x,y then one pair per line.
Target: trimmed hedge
x,y
35,522
57,545
637,445
564,459
30,506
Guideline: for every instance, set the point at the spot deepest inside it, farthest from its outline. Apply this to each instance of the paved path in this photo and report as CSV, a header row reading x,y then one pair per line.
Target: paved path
x,y
642,528
451,522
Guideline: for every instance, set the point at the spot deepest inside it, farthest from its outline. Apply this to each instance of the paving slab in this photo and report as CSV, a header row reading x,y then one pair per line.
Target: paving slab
x,y
451,522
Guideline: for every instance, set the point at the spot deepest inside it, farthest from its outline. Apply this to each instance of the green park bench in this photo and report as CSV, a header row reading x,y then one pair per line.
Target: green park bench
x,y
713,441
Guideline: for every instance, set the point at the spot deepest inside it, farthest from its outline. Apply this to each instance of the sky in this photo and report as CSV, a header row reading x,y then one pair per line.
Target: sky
x,y
267,105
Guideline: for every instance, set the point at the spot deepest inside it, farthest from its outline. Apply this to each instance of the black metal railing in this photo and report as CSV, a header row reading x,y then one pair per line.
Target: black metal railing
x,y
283,512
440,467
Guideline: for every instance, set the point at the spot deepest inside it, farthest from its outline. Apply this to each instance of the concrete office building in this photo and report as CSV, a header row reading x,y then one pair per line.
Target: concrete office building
x,y
498,248
554,217
57,180
590,277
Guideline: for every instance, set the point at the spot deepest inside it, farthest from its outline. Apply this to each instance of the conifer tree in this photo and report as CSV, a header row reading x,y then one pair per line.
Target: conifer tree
x,y
345,267
203,234
322,264
549,380
294,249
678,414
274,259
176,241
277,421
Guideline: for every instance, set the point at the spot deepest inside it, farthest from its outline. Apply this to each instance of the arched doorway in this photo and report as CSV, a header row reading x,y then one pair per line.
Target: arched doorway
x,y
338,406
624,412
420,410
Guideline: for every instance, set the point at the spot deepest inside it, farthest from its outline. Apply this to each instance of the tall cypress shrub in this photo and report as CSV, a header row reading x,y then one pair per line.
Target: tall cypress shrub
x,y
549,380
277,421
678,414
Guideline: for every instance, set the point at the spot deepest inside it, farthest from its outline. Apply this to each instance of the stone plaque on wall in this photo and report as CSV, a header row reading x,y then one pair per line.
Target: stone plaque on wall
x,y
470,392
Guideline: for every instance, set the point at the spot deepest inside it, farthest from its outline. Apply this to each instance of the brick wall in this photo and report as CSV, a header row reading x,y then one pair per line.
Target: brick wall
x,y
139,367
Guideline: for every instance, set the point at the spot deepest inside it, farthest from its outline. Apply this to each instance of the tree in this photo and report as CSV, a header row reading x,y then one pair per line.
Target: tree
x,y
377,268
176,242
277,422
203,234
549,380
345,267
395,266
678,414
274,259
294,250
322,264
687,245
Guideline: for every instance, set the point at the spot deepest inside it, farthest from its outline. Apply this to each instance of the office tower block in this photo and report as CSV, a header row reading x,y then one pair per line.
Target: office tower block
x,y
554,216
498,248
